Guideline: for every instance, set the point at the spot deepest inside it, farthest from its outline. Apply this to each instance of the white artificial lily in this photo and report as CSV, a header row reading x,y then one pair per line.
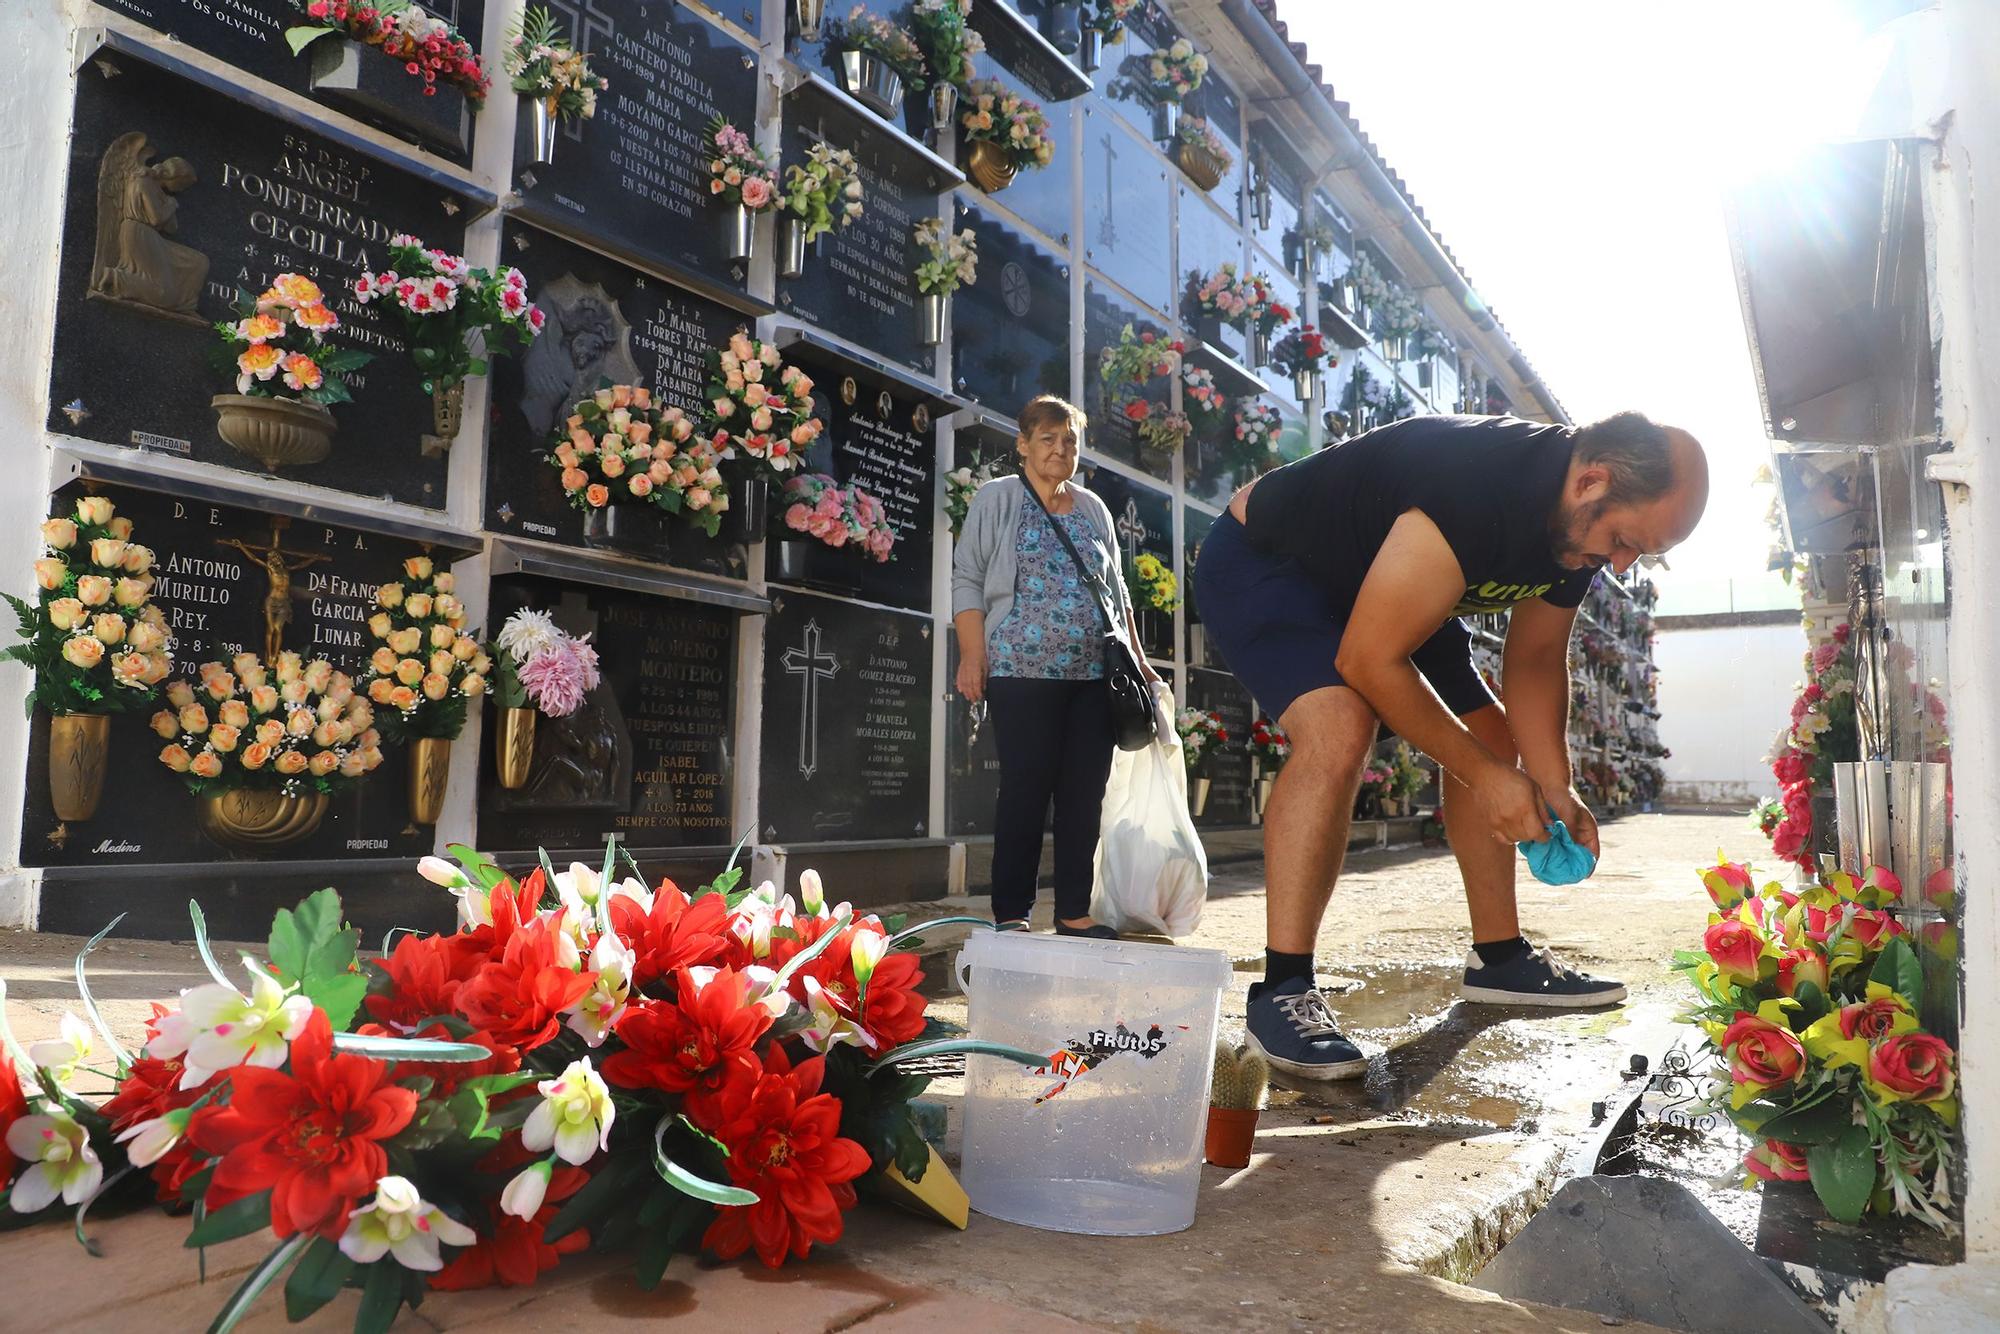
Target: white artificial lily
x,y
61,1056
604,1004
812,893
865,950
574,1117
398,1222
831,1025
475,905
60,1162
580,886
218,1028
149,1141
524,1194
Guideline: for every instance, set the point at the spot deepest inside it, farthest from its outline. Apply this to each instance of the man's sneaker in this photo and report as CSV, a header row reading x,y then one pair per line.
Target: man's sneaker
x,y
1291,1025
1535,977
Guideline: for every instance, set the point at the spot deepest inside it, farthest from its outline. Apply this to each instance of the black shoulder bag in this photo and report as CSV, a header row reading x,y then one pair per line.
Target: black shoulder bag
x,y
1131,696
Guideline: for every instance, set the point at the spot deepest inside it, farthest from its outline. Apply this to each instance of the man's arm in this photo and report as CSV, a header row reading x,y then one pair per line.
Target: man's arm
x,y
1535,686
1411,588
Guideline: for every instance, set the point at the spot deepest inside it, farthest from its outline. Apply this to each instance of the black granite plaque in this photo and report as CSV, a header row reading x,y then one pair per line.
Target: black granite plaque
x,y
1127,203
972,764
860,280
1010,331
878,444
635,176
1040,197
215,596
1228,768
1143,519
264,198
1194,527
250,34
605,321
1112,433
847,721
1123,85
649,755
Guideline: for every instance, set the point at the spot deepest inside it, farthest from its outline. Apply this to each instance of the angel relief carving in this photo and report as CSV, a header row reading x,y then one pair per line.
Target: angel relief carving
x,y
135,261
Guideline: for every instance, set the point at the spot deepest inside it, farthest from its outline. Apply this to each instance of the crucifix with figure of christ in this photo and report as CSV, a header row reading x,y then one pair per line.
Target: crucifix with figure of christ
x,y
811,665
279,566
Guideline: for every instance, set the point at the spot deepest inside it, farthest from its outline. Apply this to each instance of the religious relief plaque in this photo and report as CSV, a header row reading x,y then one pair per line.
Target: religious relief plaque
x,y
847,722
1010,330
1127,207
634,177
250,34
648,755
1229,767
232,581
1143,519
1114,433
178,198
605,322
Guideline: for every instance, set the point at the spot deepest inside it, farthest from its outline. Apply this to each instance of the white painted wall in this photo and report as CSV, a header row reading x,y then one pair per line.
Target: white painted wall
x,y
1724,693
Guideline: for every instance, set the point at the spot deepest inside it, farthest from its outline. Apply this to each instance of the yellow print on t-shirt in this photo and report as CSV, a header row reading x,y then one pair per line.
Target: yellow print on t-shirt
x,y
1495,596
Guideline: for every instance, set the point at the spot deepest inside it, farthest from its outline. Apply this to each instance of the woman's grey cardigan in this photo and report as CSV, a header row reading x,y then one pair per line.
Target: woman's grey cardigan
x,y
982,562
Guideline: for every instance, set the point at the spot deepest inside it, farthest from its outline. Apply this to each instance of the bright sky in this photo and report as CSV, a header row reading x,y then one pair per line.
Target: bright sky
x,y
1573,153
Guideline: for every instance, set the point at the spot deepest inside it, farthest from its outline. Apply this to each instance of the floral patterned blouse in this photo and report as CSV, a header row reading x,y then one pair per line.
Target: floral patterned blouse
x,y
1054,631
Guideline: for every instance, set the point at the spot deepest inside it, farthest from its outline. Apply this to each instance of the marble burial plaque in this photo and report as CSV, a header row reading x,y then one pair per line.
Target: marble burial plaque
x,y
1143,518
1010,330
860,280
605,321
847,722
222,588
972,764
649,755
1040,197
885,443
1112,433
1127,207
635,175
1122,83
1229,768
177,198
250,34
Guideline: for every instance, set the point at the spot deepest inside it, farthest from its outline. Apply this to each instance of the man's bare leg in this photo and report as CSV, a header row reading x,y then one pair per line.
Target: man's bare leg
x,y
1312,803
1486,864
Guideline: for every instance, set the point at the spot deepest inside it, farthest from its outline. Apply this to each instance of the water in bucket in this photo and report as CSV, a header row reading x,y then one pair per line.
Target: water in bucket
x,y
1104,1135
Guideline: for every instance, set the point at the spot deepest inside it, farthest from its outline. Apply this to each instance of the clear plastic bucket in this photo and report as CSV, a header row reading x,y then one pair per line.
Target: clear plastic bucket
x,y
1104,1136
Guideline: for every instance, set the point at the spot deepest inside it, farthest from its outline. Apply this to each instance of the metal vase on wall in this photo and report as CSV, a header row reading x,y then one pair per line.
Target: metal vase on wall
x,y
739,232
1063,26
944,110
1394,347
873,82
1198,796
1260,345
1305,384
809,15
1091,53
750,508
543,124
791,245
932,308
1166,121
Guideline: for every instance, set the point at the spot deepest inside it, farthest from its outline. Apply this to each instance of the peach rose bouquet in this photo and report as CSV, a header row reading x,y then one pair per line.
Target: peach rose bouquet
x,y
619,448
426,667
276,346
295,726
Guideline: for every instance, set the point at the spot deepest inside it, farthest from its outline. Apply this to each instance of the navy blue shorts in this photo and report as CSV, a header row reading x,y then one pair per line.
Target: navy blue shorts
x,y
1275,628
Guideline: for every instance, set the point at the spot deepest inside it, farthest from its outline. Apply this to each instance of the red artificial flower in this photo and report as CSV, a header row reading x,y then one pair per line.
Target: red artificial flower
x,y
13,1106
311,1135
1138,410
1775,1161
425,974
676,933
518,998
891,1011
694,1044
150,1089
784,1144
512,1252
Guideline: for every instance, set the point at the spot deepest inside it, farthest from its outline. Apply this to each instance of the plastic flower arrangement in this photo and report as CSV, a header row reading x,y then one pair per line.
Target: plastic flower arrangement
x,y
294,726
1108,17
542,64
1303,349
618,448
1205,403
276,346
1821,733
1151,583
1809,1003
759,406
819,507
1202,735
825,192
739,171
1221,294
539,665
1002,117
1406,776
424,44
93,637
951,260
1160,429
1378,784
579,1059
1261,305
1139,357
1269,744
1176,71
886,41
1257,424
947,42
961,485
1196,132
427,667
444,302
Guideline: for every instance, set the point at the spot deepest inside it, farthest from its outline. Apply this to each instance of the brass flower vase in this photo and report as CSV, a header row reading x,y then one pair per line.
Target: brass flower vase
x,y
447,415
1199,165
277,432
260,819
430,769
990,168
78,744
514,746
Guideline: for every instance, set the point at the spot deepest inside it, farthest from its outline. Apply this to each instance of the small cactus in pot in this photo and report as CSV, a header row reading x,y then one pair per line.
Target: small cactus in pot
x,y
1234,1100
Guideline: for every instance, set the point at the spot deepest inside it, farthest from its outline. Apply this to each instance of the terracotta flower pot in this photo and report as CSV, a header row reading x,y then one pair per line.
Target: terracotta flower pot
x,y
259,819
277,432
430,767
514,746
77,748
990,168
1231,1133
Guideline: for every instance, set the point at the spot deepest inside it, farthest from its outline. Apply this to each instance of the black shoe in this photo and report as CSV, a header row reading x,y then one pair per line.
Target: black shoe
x,y
1291,1025
1535,977
1095,931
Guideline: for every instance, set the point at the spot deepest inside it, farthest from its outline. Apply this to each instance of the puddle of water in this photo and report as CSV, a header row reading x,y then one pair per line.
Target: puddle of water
x,y
1708,1162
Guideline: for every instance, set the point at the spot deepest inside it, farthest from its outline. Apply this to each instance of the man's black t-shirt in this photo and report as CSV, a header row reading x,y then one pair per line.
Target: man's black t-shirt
x,y
1490,484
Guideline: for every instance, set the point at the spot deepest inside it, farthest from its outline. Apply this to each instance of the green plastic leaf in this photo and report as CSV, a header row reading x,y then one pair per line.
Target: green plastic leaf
x,y
313,947
90,1002
910,1051
1812,1005
103,1188
1820,1122
1900,971
686,1182
410,1049
316,1280
381,1298
1843,1173
237,1219
913,932
301,37
201,944
596,1198
258,1279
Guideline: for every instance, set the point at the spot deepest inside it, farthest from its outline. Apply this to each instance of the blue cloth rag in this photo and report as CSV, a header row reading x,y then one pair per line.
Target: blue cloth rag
x,y
1561,860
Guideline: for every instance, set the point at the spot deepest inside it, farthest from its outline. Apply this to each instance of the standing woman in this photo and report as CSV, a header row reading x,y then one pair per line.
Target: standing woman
x,y
1030,642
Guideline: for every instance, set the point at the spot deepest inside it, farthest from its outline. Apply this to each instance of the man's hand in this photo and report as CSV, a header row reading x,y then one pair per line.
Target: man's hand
x,y
1569,808
1510,804
972,676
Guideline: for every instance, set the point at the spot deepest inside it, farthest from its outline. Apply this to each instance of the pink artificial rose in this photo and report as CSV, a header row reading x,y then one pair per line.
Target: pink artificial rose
x,y
796,517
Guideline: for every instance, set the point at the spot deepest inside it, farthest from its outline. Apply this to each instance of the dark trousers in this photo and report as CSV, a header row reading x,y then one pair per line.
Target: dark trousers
x,y
1055,743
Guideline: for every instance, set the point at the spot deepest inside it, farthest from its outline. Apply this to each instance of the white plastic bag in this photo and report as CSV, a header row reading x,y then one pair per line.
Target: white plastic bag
x,y
1152,872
